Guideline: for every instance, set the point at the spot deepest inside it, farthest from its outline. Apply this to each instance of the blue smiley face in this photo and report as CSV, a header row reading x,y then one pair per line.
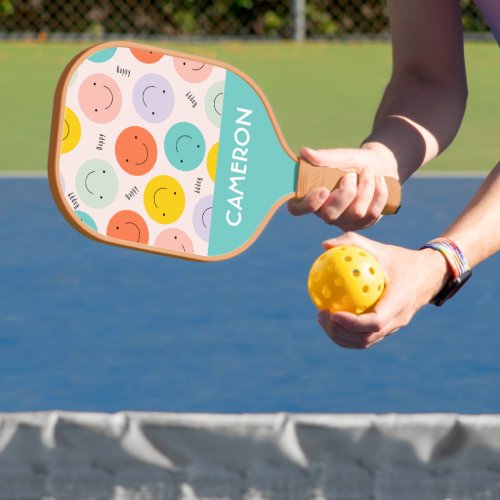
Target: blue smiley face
x,y
103,55
96,183
184,146
86,219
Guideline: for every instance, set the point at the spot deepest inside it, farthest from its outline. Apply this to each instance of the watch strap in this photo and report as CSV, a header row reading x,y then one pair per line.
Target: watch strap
x,y
457,263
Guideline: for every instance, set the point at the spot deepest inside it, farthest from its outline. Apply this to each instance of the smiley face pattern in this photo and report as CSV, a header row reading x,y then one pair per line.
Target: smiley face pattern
x,y
139,147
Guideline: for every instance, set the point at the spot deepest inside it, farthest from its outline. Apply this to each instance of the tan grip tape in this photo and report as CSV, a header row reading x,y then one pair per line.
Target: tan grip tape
x,y
311,177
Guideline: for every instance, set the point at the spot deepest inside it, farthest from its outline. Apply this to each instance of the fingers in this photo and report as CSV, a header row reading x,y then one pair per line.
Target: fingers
x,y
360,198
355,332
339,199
310,203
365,208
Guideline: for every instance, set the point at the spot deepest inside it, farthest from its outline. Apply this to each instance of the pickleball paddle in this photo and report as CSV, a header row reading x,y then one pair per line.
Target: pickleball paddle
x,y
171,153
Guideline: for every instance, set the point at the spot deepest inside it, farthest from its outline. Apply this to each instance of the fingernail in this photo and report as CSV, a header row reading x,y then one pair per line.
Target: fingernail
x,y
324,194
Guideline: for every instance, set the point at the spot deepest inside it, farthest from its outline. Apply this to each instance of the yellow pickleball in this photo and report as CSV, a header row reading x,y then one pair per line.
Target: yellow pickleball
x,y
164,199
346,278
72,131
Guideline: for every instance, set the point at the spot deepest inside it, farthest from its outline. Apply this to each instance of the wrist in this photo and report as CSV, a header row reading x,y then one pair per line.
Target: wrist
x,y
388,165
437,272
457,265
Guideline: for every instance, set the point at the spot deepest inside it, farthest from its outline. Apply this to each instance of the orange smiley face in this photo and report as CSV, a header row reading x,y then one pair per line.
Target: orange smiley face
x,y
136,151
175,239
128,225
146,56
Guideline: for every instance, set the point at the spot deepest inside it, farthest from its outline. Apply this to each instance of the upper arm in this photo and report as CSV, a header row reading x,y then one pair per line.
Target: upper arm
x,y
427,40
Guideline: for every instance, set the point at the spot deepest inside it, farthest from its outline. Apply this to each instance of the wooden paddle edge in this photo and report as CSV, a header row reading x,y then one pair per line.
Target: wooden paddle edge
x,y
55,148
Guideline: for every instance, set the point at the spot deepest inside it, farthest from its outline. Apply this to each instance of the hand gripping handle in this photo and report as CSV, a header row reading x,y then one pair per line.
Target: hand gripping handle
x,y
311,177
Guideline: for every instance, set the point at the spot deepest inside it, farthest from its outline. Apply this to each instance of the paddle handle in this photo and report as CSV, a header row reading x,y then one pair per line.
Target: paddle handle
x,y
312,177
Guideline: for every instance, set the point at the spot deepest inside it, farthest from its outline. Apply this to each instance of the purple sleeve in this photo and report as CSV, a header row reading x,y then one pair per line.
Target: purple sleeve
x,y
490,9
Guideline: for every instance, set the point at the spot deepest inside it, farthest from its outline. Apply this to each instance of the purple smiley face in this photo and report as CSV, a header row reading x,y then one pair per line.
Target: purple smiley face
x,y
202,216
153,98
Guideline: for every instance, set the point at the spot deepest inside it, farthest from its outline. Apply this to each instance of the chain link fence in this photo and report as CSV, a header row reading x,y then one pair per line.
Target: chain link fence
x,y
283,19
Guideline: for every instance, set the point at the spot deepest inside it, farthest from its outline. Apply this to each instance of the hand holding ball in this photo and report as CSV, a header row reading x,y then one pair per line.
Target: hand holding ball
x,y
346,278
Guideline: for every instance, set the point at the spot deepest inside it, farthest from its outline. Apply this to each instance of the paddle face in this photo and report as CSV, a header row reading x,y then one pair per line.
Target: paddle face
x,y
166,152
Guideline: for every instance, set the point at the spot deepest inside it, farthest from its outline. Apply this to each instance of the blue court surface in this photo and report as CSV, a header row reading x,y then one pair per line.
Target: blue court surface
x,y
91,327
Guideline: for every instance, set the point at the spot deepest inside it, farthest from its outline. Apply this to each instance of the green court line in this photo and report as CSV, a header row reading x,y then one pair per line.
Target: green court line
x,y
324,95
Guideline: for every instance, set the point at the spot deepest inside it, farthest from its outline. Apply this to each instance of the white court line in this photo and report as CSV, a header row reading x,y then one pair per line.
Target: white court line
x,y
453,174
23,175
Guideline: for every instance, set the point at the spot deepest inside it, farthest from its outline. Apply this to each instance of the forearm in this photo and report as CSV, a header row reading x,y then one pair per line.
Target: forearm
x,y
477,230
416,120
424,103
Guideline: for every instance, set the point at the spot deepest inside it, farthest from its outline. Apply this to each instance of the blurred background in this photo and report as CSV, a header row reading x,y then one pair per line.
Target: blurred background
x,y
284,19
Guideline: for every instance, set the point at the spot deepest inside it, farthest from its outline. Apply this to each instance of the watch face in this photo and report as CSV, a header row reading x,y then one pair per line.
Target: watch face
x,y
451,288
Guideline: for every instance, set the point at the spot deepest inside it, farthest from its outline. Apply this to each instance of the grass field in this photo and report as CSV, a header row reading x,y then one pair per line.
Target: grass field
x,y
324,95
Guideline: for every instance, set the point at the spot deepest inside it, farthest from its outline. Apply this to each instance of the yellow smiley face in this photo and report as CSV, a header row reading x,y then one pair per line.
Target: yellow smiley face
x,y
71,131
212,160
164,199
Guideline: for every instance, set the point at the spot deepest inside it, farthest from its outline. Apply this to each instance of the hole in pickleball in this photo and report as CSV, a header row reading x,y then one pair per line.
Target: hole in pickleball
x,y
362,254
346,299
348,258
317,300
317,276
366,289
372,270
339,281
356,273
327,293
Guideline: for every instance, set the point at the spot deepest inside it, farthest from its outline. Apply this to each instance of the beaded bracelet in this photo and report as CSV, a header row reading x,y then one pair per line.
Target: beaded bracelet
x,y
459,267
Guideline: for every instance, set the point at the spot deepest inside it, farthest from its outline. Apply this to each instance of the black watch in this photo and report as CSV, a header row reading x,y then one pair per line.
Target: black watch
x,y
451,288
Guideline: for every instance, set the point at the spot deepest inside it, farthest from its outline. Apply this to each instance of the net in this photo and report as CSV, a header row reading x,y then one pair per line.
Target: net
x,y
159,456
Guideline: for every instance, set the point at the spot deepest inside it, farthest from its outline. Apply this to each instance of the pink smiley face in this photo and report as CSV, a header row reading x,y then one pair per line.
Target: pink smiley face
x,y
175,239
192,71
100,98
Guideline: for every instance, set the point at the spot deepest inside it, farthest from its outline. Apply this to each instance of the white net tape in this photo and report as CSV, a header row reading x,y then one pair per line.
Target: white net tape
x,y
154,456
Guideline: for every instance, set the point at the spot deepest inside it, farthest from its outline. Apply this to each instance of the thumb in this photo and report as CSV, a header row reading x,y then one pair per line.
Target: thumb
x,y
348,238
337,158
